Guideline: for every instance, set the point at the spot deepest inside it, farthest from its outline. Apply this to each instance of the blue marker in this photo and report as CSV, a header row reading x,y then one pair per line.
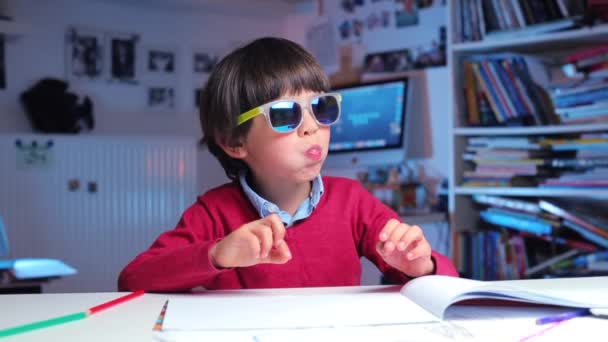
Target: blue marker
x,y
563,316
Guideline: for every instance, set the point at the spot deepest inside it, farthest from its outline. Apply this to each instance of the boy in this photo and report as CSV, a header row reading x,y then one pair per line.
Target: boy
x,y
265,114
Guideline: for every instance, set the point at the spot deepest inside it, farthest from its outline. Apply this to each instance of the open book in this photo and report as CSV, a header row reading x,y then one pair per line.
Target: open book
x,y
422,300
436,293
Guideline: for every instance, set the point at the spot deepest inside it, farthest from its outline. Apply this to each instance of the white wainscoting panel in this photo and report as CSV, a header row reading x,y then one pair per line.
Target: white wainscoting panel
x,y
93,202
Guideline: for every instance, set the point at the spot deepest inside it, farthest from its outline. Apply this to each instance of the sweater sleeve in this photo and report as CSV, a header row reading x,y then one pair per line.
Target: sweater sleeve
x,y
373,215
178,260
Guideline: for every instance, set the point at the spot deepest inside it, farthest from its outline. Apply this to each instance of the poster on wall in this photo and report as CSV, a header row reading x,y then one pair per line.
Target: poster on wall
x,y
122,57
84,54
396,35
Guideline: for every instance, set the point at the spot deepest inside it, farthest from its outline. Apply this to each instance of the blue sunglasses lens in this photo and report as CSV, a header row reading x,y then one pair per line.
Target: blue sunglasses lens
x,y
326,109
285,116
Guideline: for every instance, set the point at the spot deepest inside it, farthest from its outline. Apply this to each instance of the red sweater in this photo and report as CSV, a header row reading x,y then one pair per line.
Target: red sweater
x,y
325,247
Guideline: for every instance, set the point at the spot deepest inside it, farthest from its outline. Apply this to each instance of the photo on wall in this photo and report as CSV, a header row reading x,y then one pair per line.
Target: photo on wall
x,y
407,15
122,51
433,54
84,54
159,61
204,62
388,61
161,98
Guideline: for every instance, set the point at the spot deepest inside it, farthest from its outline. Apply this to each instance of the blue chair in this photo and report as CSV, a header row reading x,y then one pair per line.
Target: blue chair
x,y
30,268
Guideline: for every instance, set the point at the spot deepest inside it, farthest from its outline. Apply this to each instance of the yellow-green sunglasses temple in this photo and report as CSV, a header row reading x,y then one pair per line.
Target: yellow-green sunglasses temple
x,y
248,115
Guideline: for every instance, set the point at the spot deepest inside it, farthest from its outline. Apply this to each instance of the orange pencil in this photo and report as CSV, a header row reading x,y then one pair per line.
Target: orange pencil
x,y
115,302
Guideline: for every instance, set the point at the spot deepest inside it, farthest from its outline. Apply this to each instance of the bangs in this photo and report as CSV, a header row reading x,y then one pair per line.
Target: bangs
x,y
267,75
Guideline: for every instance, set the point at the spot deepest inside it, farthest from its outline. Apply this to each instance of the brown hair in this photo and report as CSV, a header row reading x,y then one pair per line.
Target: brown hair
x,y
250,76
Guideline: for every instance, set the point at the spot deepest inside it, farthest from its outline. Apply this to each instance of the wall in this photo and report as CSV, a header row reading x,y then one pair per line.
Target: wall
x,y
121,108
427,123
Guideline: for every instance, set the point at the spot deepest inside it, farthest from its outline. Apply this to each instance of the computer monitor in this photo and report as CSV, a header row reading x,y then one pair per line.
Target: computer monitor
x,y
371,127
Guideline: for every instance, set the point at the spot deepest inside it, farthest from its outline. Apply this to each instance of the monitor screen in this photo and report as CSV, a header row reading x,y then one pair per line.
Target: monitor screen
x,y
372,117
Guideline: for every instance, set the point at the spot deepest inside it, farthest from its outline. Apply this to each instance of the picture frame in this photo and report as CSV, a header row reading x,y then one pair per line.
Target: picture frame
x,y
159,61
161,98
388,61
122,57
203,62
84,54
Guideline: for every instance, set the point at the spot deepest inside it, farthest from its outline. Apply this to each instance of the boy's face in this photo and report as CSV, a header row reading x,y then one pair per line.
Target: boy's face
x,y
293,157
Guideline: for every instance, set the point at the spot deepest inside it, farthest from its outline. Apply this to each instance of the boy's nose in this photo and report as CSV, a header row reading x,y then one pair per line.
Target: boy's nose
x,y
309,124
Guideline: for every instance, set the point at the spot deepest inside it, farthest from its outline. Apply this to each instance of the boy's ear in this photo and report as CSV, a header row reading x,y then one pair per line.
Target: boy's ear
x,y
237,151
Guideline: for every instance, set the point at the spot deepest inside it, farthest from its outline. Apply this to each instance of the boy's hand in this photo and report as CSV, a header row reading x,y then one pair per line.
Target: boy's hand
x,y
404,247
256,242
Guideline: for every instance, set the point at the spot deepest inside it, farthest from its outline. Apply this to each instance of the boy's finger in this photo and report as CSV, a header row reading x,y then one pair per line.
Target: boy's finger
x,y
412,234
397,235
388,229
277,227
264,235
280,255
419,250
385,248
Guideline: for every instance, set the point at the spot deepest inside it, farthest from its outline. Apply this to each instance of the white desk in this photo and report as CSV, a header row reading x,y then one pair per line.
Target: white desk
x,y
133,321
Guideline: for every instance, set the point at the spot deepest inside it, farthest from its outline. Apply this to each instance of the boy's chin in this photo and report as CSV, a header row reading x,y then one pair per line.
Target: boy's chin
x,y
311,172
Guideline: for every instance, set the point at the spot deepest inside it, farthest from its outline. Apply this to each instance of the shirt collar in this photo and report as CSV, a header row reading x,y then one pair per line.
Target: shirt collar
x,y
265,207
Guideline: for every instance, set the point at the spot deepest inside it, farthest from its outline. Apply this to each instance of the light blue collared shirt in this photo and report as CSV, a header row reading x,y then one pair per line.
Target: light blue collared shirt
x,y
265,207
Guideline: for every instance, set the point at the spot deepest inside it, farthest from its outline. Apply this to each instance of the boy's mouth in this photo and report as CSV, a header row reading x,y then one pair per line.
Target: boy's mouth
x,y
314,152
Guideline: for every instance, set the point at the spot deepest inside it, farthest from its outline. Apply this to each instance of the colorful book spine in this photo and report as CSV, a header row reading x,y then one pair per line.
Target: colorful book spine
x,y
555,210
586,234
509,220
490,96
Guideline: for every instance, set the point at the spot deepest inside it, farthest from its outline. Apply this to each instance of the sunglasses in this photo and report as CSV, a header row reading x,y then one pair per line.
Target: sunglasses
x,y
286,115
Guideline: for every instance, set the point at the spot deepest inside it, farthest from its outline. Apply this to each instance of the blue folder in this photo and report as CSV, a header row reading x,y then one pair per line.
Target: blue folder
x,y
30,268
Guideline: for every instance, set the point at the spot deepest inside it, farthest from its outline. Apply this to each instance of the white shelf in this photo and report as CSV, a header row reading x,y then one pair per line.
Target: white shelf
x,y
530,130
555,40
532,192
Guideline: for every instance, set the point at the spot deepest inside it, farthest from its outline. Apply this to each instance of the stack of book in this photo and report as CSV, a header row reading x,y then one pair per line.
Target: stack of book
x,y
524,238
583,96
580,161
488,19
500,90
588,169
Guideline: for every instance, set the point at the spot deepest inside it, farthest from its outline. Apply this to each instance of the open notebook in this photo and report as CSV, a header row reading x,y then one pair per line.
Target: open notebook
x,y
422,300
30,268
437,293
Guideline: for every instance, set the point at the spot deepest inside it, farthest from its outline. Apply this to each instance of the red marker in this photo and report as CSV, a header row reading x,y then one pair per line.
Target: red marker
x,y
115,302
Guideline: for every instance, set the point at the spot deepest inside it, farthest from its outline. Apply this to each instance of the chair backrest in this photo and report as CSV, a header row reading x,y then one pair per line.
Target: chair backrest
x,y
3,239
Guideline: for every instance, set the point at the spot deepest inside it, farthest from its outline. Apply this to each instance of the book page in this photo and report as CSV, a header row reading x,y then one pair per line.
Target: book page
x,y
428,332
224,312
436,293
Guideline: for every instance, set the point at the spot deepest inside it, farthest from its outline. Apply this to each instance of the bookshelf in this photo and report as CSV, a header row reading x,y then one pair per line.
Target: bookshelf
x,y
464,212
